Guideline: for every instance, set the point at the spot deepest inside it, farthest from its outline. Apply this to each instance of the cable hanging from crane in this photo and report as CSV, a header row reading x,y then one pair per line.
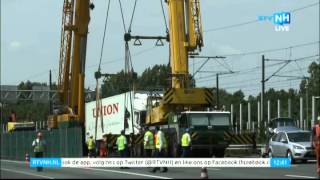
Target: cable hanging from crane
x,y
98,75
164,18
129,71
104,35
134,9
122,15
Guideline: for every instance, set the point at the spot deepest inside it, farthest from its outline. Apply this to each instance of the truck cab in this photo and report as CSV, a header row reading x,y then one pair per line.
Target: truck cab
x,y
207,130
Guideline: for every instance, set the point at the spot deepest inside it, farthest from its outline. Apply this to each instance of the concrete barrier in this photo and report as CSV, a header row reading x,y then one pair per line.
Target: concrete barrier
x,y
244,150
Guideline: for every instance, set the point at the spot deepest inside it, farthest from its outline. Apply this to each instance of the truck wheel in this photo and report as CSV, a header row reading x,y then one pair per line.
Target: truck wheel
x,y
219,153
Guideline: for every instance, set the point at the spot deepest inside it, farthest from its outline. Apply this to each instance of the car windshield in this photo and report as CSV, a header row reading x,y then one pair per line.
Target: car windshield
x,y
219,119
299,136
213,119
199,119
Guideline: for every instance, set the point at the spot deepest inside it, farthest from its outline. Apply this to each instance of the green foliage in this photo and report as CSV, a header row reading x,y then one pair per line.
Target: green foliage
x,y
151,78
158,77
26,110
118,83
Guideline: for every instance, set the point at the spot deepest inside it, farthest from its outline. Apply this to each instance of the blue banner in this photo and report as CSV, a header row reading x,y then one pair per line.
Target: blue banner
x,y
280,162
46,162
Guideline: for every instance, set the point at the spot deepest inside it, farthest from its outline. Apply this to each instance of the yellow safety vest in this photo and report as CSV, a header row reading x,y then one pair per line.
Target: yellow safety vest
x,y
150,144
90,144
39,147
164,141
184,140
121,142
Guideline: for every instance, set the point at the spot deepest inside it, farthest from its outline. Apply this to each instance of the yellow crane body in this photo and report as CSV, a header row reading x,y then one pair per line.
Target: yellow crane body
x,y
185,37
75,22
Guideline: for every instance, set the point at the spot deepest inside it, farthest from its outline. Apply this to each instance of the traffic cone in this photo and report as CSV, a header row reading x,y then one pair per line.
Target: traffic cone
x,y
204,173
27,159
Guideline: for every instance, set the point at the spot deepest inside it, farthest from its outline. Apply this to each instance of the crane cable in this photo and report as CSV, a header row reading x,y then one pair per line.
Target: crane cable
x,y
124,24
133,11
98,100
104,35
128,68
164,18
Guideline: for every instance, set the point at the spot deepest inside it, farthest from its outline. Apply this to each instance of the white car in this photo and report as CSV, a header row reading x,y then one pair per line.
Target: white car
x,y
294,144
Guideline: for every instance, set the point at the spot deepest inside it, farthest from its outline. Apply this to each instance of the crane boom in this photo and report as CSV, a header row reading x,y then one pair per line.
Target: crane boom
x,y
185,37
65,50
75,21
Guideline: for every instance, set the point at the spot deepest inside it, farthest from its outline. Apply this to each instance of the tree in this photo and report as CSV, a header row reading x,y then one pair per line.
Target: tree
x,y
118,83
310,86
151,78
27,110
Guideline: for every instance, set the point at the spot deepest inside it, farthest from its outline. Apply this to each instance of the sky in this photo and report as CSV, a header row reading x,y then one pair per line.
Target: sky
x,y
31,30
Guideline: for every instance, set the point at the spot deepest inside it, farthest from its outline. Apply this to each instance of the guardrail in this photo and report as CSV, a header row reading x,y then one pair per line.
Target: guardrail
x,y
245,146
245,150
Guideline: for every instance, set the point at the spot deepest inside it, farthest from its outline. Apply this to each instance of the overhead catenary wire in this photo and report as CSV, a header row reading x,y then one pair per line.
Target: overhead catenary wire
x,y
243,81
256,84
266,51
271,50
258,67
150,49
251,79
241,71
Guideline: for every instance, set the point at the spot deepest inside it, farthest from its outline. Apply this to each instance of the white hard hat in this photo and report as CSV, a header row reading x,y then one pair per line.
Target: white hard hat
x,y
39,134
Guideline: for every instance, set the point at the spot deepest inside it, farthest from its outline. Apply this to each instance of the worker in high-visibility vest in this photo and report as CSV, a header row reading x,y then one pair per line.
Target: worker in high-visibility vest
x,y
121,144
38,147
316,143
186,143
161,146
148,142
91,146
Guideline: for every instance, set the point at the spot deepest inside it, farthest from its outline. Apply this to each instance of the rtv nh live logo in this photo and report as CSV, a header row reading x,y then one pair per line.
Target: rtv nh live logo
x,y
281,20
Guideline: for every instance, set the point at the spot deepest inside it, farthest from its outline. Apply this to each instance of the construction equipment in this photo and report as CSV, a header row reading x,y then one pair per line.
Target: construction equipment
x,y
75,21
185,37
179,107
184,106
16,126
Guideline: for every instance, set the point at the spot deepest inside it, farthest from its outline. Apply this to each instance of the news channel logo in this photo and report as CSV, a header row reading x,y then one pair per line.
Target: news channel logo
x,y
280,19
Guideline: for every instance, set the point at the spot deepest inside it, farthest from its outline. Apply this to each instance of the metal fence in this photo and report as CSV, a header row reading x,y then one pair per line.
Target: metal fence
x,y
59,143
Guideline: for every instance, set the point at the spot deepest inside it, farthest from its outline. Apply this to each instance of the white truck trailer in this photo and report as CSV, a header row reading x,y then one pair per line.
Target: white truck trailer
x,y
112,112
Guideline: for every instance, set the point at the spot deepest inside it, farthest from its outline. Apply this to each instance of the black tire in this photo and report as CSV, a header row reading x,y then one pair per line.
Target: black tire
x,y
289,155
270,154
219,153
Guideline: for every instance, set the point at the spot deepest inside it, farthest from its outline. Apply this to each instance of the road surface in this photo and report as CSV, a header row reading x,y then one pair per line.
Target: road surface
x,y
19,169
